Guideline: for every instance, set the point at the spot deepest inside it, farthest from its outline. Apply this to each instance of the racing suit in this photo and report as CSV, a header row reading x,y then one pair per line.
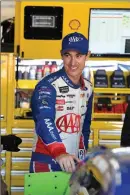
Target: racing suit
x,y
62,114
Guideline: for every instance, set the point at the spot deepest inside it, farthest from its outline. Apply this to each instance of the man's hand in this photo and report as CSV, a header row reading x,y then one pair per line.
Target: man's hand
x,y
67,162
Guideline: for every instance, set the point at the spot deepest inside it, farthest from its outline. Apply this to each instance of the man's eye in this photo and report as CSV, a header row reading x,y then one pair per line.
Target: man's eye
x,y
78,55
66,55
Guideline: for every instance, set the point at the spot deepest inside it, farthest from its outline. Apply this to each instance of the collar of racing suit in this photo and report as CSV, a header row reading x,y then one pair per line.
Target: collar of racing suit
x,y
70,83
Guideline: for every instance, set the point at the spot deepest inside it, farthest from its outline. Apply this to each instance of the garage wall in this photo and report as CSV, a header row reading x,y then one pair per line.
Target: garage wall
x,y
7,9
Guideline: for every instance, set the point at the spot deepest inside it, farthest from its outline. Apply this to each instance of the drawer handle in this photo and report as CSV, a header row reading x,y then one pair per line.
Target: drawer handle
x,y
1,116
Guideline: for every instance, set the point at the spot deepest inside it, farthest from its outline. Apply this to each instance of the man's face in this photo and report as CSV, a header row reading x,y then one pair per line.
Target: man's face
x,y
74,63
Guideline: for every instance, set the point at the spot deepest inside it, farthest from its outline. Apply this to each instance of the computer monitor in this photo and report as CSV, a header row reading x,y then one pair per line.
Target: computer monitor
x,y
109,32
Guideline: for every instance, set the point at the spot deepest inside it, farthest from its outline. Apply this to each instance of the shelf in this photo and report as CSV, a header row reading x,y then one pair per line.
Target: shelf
x,y
26,84
3,124
107,115
21,123
112,90
106,125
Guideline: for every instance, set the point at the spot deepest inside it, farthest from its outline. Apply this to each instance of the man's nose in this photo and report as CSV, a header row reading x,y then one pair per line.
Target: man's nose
x,y
73,61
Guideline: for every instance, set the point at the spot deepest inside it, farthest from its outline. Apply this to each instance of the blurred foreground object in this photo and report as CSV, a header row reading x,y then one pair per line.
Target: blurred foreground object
x,y
11,142
102,172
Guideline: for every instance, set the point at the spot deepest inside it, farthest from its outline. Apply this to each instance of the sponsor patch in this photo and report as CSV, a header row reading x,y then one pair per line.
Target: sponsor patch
x,y
50,128
64,89
44,92
70,108
71,95
60,96
70,102
52,79
82,106
44,102
60,101
69,123
60,108
47,107
41,107
44,96
82,95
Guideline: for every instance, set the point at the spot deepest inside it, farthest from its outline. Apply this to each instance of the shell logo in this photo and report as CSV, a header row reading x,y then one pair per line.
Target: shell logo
x,y
74,24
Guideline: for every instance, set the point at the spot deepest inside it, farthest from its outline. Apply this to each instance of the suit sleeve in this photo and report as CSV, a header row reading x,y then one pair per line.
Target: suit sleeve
x,y
43,109
125,135
87,122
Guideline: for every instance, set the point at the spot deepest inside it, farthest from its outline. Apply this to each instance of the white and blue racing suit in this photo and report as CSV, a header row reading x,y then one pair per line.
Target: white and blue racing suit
x,y
62,114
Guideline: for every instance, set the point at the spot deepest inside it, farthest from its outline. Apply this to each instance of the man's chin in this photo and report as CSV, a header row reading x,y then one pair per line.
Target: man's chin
x,y
75,74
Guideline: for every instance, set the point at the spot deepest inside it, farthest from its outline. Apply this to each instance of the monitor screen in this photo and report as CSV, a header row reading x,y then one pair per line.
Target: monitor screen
x,y
109,32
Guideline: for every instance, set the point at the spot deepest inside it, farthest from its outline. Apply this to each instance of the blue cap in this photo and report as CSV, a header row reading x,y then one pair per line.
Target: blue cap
x,y
75,41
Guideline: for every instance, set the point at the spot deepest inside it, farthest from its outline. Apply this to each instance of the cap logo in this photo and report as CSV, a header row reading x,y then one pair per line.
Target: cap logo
x,y
75,39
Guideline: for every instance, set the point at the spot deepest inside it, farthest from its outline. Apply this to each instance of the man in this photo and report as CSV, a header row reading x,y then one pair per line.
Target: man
x,y
125,136
61,107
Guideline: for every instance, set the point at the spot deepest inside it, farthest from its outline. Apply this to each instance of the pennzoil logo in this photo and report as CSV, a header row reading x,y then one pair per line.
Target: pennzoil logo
x,y
69,123
60,101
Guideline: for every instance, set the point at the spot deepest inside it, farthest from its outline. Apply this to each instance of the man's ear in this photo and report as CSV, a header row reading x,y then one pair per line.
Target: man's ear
x,y
61,55
88,55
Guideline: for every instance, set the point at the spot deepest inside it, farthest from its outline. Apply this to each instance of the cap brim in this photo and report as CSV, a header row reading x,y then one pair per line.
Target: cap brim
x,y
72,49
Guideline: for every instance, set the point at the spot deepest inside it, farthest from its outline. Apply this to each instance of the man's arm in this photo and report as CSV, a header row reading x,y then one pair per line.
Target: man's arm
x,y
87,122
125,136
43,110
